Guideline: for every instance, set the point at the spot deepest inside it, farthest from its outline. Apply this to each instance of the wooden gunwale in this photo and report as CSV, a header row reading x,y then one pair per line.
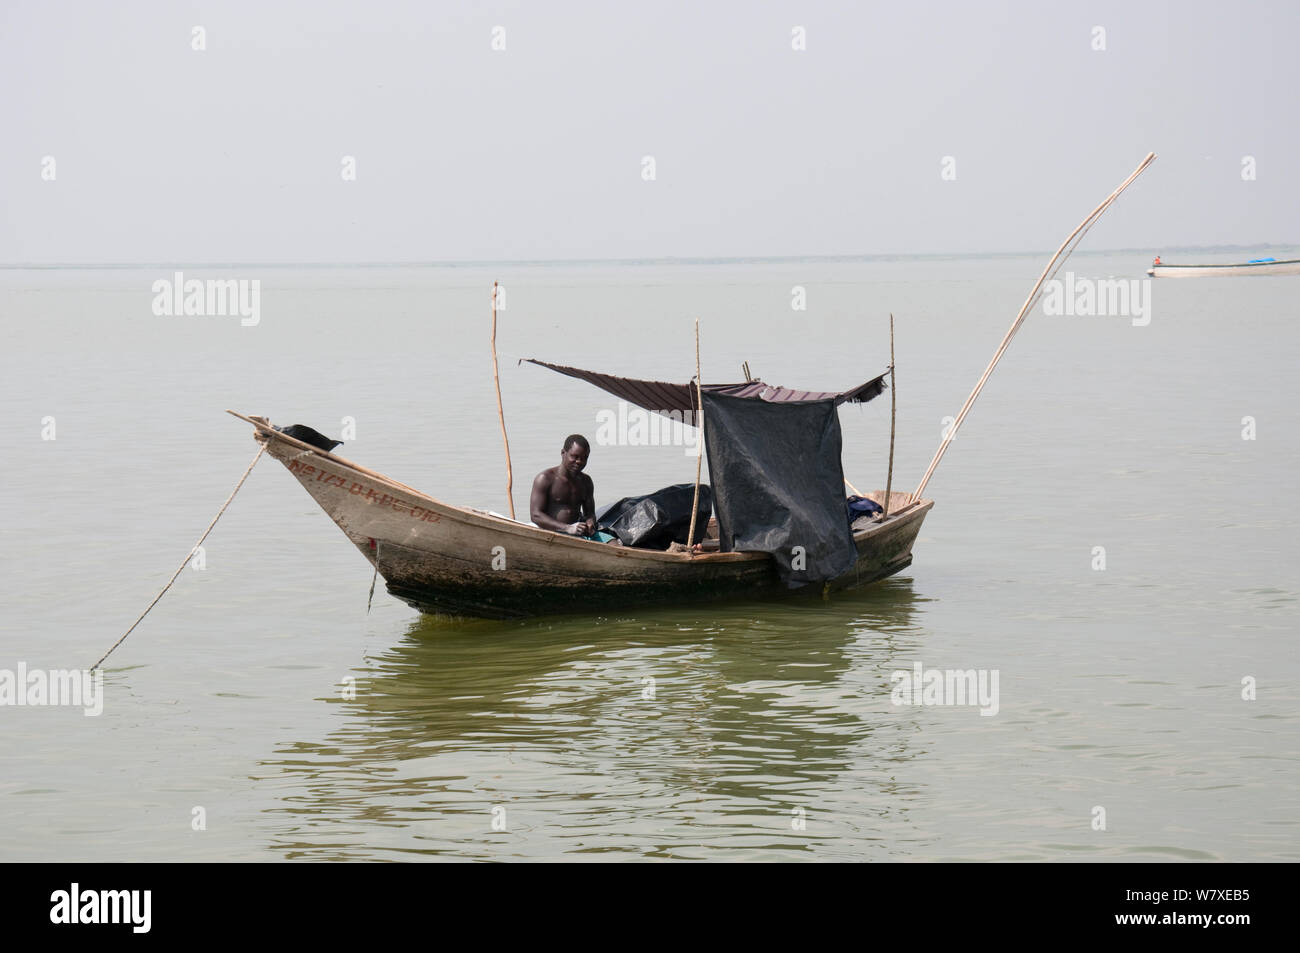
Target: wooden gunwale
x,y
497,524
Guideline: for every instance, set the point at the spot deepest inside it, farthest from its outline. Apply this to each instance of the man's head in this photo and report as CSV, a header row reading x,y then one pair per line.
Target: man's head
x,y
573,457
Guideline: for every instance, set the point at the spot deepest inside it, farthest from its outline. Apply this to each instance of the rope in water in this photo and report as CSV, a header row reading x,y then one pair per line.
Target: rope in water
x,y
373,579
181,567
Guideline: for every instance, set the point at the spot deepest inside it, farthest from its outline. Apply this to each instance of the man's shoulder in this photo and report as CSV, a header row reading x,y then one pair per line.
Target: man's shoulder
x,y
546,476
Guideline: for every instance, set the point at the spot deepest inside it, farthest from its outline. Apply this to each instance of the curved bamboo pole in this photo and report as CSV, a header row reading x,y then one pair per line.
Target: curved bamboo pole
x,y
1086,224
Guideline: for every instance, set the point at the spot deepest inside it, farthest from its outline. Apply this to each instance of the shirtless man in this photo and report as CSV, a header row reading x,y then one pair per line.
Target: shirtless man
x,y
563,497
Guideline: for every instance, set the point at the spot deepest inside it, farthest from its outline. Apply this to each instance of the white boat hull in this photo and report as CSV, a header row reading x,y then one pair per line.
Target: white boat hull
x,y
1225,271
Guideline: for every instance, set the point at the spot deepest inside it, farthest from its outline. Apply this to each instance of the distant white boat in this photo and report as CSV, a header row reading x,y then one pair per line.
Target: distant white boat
x,y
1259,266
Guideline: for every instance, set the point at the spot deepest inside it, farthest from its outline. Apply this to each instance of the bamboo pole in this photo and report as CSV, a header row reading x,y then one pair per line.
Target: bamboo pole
x,y
1079,232
496,379
699,457
893,413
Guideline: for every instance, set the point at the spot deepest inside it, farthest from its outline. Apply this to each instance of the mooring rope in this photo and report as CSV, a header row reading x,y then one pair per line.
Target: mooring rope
x,y
373,579
181,568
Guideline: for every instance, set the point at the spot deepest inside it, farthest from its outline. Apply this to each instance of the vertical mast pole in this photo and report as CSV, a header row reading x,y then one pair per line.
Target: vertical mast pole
x,y
893,411
496,380
699,424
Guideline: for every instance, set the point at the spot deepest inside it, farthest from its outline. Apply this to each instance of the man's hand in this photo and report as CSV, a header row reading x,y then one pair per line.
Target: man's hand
x,y
589,528
577,529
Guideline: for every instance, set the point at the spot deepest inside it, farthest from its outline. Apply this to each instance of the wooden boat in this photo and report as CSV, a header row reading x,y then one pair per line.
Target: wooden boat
x,y
461,561
769,483
457,560
1263,266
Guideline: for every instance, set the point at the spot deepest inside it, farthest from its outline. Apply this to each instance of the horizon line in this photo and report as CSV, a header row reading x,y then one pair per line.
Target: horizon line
x,y
637,261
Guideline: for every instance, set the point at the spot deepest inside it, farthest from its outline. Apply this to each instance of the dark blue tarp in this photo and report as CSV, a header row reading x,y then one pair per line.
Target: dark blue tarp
x,y
778,484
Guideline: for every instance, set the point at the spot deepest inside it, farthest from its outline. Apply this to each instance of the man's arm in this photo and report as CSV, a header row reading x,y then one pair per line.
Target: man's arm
x,y
589,507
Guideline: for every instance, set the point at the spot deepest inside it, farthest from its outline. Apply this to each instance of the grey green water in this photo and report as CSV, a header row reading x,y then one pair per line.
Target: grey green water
x,y
261,697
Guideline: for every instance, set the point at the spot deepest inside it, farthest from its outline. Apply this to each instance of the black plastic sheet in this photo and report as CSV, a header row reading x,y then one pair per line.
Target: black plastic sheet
x,y
657,519
308,435
778,484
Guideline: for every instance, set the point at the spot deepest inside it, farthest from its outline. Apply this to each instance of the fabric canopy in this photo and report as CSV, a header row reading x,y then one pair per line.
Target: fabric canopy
x,y
663,398
774,462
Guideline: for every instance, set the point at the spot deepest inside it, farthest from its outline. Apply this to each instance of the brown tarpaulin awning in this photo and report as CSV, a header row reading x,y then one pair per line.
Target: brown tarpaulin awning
x,y
663,398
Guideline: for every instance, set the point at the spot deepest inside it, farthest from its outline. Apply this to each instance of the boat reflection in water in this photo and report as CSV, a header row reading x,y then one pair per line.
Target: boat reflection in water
x,y
740,733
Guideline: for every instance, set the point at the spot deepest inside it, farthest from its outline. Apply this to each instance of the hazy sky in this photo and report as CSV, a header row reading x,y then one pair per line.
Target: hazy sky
x,y
234,153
